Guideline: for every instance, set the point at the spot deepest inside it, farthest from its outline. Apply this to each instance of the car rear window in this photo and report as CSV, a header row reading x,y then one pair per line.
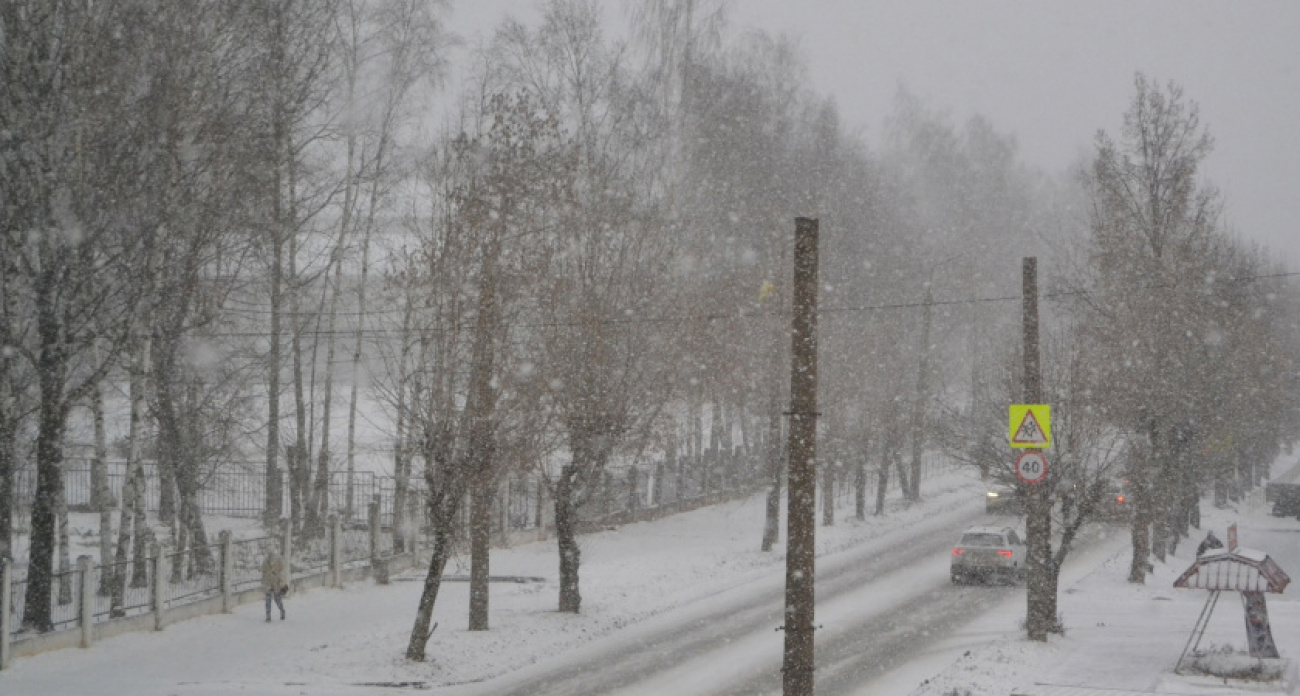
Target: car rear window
x,y
981,539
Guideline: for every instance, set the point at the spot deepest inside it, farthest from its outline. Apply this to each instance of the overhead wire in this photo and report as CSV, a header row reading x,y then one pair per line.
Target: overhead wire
x,y
726,316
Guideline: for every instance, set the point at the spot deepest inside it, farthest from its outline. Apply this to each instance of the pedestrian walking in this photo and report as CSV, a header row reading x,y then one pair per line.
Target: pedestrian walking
x,y
275,582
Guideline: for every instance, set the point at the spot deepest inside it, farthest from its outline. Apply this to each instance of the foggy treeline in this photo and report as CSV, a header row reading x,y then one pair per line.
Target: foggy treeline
x,y
265,225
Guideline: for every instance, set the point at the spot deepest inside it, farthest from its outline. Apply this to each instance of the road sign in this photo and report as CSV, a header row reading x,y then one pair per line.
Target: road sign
x,y
1031,467
1030,426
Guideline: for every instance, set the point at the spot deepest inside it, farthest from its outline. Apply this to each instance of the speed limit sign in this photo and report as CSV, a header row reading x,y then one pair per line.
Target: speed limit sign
x,y
1031,467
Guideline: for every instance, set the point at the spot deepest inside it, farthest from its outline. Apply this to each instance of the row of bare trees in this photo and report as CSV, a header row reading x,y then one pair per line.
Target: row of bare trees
x,y
598,270
217,217
189,191
1171,353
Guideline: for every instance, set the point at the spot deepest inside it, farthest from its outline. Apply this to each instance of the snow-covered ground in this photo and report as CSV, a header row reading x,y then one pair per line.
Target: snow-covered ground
x,y
1125,638
649,575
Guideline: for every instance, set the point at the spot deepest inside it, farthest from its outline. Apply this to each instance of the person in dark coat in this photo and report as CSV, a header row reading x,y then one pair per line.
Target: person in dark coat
x,y
1210,542
275,582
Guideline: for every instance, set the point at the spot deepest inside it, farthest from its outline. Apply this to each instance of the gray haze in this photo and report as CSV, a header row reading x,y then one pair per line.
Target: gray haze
x,y
1053,73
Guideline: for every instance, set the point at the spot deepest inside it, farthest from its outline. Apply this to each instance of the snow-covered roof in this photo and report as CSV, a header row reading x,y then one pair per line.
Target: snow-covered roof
x,y
1240,570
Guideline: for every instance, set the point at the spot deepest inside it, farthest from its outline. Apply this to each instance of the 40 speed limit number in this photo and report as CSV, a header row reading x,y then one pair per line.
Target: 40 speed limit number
x,y
1031,467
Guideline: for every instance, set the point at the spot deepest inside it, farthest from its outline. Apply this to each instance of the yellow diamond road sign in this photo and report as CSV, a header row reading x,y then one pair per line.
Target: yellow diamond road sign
x,y
1031,426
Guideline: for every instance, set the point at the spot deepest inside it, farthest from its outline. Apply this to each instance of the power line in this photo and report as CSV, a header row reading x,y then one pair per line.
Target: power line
x,y
726,316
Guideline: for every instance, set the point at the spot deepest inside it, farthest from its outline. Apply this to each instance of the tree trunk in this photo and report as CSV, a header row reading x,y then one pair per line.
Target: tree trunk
x,y
356,367
300,462
1140,527
775,472
401,446
1140,532
274,504
566,538
8,439
860,488
679,469
882,481
319,506
167,504
828,494
480,537
424,626
101,493
904,483
132,521
65,556
401,481
49,482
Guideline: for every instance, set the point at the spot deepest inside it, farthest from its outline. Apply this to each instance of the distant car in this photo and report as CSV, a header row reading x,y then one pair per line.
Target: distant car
x,y
988,553
1114,506
1002,500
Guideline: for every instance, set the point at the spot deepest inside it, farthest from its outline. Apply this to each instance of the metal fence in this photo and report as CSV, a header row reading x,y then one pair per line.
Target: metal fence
x,y
238,489
355,546
195,574
130,581
246,564
64,607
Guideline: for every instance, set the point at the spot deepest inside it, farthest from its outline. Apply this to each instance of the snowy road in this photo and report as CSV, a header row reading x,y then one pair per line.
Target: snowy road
x,y
877,607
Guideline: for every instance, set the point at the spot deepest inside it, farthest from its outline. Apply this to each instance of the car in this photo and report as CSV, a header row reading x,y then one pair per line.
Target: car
x,y
988,553
1002,500
1114,506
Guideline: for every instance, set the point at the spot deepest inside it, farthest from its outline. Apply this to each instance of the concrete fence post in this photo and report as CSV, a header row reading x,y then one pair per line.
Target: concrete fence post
x,y
6,615
379,564
227,571
336,551
372,519
159,585
86,610
633,493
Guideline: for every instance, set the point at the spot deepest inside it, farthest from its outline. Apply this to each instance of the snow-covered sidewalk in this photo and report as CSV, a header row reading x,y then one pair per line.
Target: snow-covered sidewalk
x,y
1122,638
343,641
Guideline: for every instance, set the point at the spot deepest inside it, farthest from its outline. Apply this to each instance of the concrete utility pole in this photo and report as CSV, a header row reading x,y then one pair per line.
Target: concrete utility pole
x,y
1038,520
797,663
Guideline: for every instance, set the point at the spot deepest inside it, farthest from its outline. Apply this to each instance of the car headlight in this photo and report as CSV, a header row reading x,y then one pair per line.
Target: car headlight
x,y
992,494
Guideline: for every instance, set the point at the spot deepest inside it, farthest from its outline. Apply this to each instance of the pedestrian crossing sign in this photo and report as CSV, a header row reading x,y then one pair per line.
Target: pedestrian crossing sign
x,y
1030,426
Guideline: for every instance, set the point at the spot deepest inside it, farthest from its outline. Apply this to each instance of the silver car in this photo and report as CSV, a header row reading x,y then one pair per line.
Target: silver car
x,y
988,553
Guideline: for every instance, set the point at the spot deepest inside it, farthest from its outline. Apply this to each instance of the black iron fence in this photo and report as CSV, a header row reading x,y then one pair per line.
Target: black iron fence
x,y
522,502
237,490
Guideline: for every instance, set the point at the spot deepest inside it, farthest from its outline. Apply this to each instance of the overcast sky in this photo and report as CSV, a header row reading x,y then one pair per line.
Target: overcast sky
x,y
1053,72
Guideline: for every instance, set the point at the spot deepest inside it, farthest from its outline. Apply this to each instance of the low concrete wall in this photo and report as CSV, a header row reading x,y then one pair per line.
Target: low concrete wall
x,y
45,642
129,624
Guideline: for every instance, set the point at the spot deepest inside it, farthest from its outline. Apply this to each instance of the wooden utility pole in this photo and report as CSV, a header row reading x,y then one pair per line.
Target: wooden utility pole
x,y
1038,521
797,664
